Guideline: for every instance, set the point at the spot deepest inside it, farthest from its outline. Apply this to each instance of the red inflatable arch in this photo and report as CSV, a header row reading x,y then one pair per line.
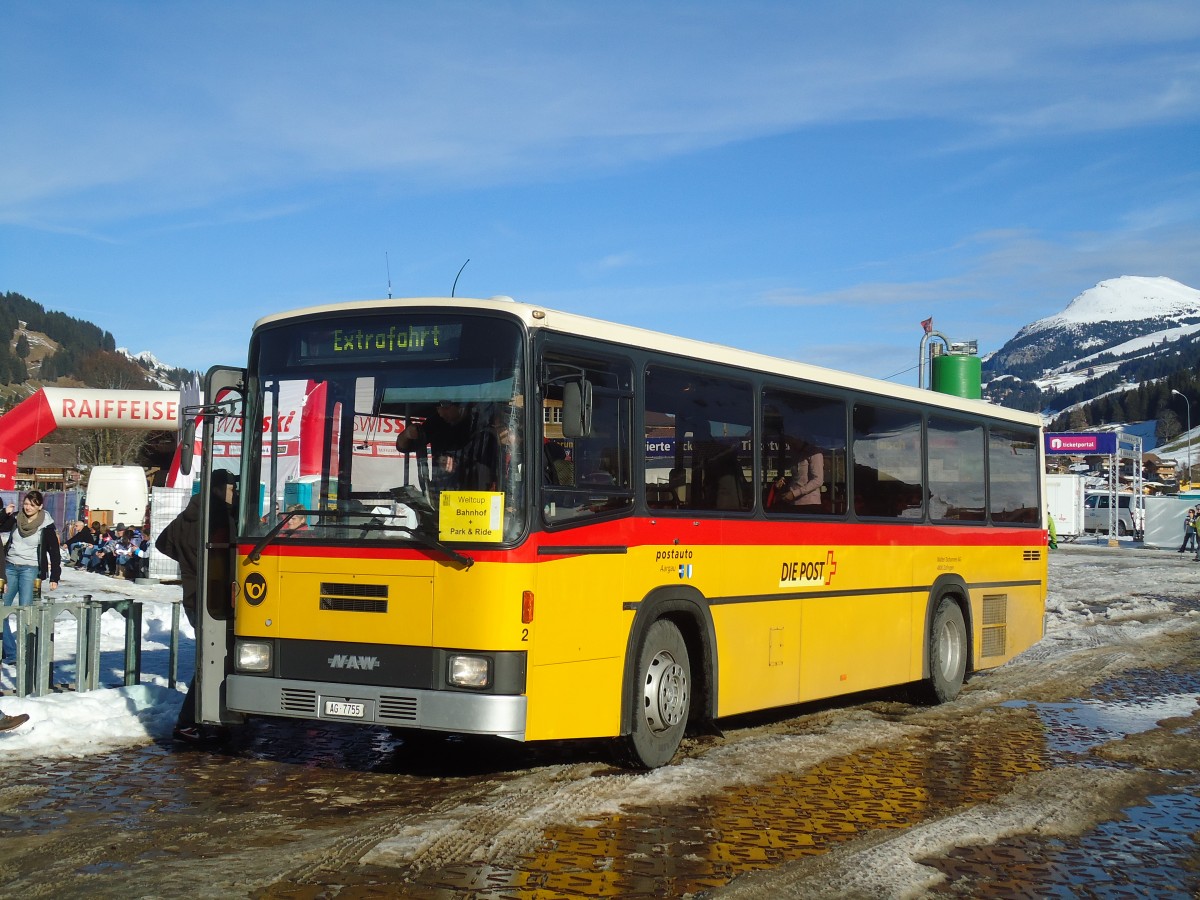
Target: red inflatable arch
x,y
50,408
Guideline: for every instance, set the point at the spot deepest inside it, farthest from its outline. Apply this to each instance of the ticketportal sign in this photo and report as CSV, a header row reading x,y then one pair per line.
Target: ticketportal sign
x,y
1099,443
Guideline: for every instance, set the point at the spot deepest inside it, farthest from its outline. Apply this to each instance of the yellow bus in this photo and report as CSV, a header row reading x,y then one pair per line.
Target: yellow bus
x,y
485,517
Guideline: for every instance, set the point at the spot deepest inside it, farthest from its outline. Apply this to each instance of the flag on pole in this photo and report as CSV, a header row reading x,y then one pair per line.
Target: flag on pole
x,y
927,324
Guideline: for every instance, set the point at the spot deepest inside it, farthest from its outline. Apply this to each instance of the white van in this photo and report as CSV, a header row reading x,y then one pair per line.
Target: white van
x,y
1095,513
119,492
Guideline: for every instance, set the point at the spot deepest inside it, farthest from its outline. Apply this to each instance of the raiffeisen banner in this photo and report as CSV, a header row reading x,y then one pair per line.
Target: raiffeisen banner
x,y
49,408
96,408
1082,442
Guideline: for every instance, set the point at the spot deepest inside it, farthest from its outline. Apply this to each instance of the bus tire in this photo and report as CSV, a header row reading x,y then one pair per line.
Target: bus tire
x,y
947,652
662,698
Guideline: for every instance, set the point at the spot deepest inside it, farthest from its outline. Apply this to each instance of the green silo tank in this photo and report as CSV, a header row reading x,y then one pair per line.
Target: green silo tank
x,y
958,374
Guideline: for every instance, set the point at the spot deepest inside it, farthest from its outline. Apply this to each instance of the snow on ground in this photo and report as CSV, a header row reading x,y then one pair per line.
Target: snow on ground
x,y
78,724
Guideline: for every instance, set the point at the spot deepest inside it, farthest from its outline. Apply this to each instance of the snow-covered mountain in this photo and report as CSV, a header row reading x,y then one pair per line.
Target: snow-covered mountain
x,y
166,376
1121,332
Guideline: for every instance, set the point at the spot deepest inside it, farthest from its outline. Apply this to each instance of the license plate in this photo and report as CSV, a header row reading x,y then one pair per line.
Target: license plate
x,y
349,710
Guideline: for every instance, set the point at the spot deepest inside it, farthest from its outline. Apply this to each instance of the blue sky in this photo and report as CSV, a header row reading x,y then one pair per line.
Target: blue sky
x,y
809,180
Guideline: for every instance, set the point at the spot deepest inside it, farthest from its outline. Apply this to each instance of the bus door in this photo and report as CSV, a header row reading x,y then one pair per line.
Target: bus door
x,y
223,417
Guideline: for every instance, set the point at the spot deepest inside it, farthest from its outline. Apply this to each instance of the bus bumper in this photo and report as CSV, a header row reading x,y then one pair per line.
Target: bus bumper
x,y
502,715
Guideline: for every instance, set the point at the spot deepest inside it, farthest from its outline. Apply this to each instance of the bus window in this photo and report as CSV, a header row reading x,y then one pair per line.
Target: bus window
x,y
956,454
707,424
803,454
1013,476
589,475
887,462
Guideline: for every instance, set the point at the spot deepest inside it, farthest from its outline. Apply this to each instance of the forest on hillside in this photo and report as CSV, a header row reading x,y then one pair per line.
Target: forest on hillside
x,y
85,352
82,354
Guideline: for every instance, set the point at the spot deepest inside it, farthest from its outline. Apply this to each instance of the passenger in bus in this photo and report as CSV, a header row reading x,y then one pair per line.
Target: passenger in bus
x,y
804,486
297,521
487,459
558,468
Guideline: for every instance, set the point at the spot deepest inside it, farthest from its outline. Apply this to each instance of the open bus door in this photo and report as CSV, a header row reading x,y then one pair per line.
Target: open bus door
x,y
222,415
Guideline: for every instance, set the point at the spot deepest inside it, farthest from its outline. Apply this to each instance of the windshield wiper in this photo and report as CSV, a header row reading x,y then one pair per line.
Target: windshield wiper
x,y
420,537
266,539
373,524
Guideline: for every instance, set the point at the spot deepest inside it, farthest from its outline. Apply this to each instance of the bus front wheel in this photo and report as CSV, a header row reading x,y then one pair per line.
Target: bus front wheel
x,y
947,652
662,699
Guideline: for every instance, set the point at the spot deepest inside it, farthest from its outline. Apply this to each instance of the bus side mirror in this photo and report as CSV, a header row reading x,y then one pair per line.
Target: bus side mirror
x,y
187,447
577,409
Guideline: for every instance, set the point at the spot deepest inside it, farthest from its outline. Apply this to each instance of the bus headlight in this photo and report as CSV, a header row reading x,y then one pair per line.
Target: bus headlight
x,y
253,656
470,671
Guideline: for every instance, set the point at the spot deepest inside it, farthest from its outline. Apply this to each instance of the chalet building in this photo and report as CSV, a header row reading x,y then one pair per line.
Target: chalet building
x,y
49,467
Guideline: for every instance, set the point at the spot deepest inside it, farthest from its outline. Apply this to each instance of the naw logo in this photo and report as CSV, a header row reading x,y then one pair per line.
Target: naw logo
x,y
809,573
346,661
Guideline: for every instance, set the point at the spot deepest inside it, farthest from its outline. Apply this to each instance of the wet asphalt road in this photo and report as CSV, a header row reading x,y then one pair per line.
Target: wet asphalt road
x,y
292,810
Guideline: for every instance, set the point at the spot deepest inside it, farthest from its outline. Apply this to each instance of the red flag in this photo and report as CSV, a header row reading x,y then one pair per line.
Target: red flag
x,y
927,324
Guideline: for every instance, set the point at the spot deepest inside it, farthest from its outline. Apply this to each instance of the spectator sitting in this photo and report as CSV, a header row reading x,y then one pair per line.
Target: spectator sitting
x,y
87,551
124,552
104,558
137,564
82,539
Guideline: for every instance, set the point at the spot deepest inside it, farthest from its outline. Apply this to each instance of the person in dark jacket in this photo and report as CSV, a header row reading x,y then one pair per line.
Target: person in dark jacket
x,y
31,553
78,542
180,540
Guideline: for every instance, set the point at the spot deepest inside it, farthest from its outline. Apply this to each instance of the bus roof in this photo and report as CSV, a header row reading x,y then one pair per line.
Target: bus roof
x,y
535,317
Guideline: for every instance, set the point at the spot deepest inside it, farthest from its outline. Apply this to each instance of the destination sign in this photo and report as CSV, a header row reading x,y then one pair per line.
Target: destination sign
x,y
377,339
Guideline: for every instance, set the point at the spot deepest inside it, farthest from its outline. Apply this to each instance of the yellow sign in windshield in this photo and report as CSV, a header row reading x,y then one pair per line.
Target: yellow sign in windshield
x,y
472,516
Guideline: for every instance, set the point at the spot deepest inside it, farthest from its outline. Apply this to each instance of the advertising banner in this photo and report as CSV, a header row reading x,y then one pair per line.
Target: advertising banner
x,y
1082,442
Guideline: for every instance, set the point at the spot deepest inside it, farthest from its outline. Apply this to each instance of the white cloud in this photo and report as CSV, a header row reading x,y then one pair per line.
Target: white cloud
x,y
139,109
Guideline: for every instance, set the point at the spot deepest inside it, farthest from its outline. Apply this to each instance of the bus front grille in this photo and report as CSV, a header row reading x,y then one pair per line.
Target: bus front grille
x,y
354,597
343,589
345,604
297,700
397,709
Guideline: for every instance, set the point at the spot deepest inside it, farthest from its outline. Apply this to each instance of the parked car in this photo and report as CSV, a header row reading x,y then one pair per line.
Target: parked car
x,y
1096,510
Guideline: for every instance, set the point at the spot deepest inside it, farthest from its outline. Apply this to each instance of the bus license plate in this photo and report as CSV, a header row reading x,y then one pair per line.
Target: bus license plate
x,y
340,708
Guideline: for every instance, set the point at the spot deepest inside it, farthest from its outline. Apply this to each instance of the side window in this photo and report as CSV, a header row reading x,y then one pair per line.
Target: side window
x,y
586,476
1013,476
956,465
887,462
803,454
699,441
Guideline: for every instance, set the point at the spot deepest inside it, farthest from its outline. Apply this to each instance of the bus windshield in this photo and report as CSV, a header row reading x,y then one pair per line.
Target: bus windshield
x,y
396,425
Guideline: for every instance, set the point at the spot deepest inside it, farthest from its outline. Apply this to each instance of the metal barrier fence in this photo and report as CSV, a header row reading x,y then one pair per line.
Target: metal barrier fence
x,y
35,642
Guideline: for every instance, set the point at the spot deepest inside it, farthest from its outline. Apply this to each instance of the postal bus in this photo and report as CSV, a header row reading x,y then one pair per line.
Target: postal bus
x,y
511,521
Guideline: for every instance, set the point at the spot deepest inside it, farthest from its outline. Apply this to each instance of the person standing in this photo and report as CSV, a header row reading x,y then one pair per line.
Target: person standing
x,y
180,540
31,553
1189,532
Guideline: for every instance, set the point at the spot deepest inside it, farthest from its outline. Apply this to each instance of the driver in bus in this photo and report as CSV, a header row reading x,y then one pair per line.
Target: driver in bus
x,y
447,429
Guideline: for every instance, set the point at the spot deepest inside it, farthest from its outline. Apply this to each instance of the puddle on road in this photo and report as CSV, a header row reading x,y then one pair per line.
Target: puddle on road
x,y
1147,854
674,851
663,850
1075,728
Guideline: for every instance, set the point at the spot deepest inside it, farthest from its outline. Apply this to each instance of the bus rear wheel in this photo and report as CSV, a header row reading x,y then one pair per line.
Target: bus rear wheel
x,y
662,699
947,652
